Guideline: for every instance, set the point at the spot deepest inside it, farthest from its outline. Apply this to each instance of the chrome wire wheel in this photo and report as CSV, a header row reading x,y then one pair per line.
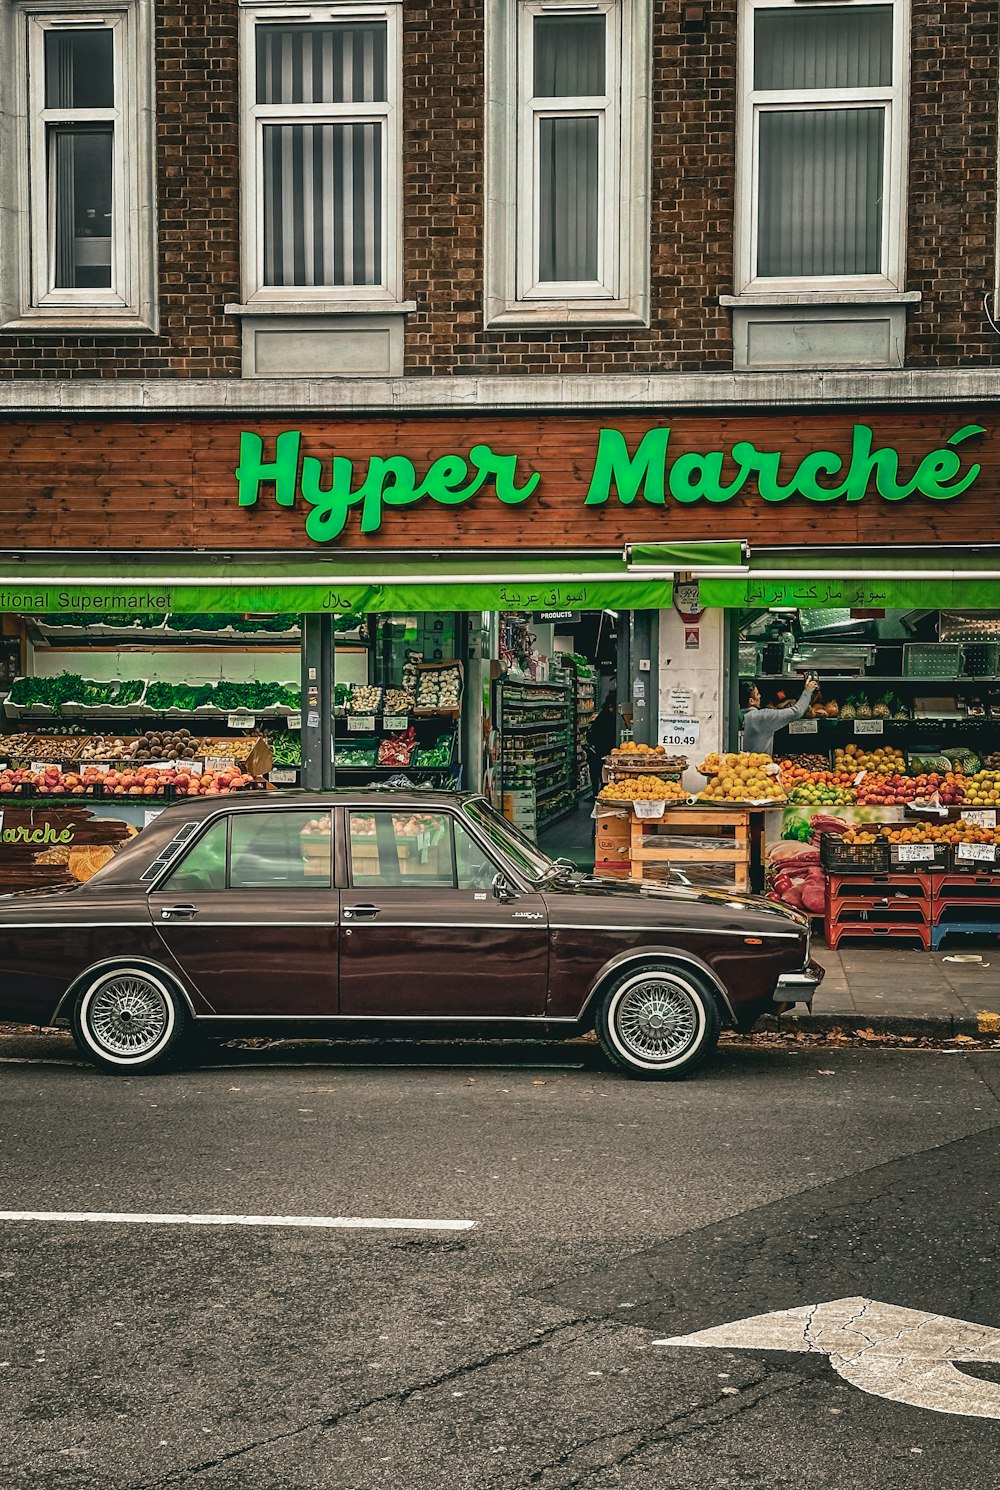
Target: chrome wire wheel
x,y
657,1019
128,1018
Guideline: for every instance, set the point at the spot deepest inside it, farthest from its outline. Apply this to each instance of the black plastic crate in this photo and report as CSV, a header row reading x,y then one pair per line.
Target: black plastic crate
x,y
838,857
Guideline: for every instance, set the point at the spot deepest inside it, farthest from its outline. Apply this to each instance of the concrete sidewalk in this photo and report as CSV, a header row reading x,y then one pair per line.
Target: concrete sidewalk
x,y
901,991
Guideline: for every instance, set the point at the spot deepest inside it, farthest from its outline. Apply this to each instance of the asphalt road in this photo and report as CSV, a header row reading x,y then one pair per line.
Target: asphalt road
x,y
608,1214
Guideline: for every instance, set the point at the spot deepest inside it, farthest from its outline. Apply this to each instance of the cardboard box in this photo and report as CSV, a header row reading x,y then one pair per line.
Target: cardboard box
x,y
612,841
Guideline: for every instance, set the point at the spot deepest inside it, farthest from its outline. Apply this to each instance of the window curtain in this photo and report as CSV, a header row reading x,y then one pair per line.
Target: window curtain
x,y
322,182
569,62
823,48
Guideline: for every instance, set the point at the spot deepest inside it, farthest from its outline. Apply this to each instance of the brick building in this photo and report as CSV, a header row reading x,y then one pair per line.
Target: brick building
x,y
415,229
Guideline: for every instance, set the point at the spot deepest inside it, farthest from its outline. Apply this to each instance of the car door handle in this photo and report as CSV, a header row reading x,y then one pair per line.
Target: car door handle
x,y
360,912
178,912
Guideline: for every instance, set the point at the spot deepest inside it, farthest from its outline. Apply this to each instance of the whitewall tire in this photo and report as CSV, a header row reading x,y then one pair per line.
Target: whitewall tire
x,y
129,1019
658,1021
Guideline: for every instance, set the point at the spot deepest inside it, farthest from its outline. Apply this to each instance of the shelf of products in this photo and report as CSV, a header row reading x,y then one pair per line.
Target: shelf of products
x,y
537,724
585,683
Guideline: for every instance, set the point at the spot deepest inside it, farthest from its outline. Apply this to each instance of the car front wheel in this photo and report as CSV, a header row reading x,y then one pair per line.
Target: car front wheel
x,y
129,1019
658,1022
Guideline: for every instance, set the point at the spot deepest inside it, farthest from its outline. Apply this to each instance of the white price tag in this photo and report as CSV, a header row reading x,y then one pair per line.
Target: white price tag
x,y
648,809
193,768
294,721
980,817
101,767
914,853
40,767
283,775
869,726
680,702
985,853
679,731
394,722
219,763
242,721
150,815
360,724
804,727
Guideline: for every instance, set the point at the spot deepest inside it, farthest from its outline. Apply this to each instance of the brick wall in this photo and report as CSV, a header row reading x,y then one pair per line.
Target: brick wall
x,y
952,202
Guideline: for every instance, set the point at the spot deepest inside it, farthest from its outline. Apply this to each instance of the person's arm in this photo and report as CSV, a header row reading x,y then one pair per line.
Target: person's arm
x,y
800,707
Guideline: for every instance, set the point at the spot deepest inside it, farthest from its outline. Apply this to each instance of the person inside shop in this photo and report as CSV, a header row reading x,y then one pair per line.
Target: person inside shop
x,y
761,725
602,737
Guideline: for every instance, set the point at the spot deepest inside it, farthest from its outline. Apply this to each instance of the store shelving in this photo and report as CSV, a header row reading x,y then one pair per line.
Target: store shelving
x,y
537,725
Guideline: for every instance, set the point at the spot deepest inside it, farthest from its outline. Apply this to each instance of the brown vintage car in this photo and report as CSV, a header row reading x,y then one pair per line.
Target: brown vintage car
x,y
377,912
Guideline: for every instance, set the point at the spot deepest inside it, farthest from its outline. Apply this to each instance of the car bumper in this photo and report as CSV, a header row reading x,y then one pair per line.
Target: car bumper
x,y
798,988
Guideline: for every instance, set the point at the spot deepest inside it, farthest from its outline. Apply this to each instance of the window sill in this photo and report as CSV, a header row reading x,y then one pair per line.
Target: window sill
x,y
548,315
48,324
822,297
322,308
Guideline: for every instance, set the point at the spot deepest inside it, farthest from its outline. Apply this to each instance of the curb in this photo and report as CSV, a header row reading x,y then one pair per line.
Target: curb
x,y
943,1026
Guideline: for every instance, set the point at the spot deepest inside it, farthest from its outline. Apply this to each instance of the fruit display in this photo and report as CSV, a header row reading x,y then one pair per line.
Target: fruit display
x,y
820,794
642,789
991,762
160,745
746,776
439,688
959,831
364,698
144,781
102,748
874,789
885,761
631,756
805,762
983,789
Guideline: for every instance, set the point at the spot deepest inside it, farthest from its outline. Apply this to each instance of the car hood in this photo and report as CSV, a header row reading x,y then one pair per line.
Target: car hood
x,y
638,891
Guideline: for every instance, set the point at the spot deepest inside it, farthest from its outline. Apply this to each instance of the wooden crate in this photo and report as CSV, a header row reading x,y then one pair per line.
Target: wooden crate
x,y
729,826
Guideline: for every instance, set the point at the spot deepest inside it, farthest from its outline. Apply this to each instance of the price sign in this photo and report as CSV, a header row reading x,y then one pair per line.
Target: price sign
x,y
985,853
242,721
869,726
394,722
914,853
283,775
219,763
980,817
102,768
294,721
680,702
804,727
648,809
360,724
150,815
679,731
193,768
40,767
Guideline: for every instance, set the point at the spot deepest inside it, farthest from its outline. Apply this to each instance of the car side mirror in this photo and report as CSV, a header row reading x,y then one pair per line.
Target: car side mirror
x,y
502,890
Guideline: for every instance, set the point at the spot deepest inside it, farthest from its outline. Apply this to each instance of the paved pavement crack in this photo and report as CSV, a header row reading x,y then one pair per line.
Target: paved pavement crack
x,y
401,1396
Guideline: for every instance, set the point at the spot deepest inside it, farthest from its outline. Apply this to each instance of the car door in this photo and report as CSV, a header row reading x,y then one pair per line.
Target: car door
x,y
249,914
422,933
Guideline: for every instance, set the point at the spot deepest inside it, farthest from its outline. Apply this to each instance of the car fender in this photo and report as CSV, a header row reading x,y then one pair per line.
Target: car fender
x,y
60,1011
659,953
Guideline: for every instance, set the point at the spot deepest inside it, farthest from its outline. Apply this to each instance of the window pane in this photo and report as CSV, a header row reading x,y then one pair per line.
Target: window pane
x,y
323,204
569,56
204,868
567,199
823,48
394,850
475,869
820,192
322,64
80,173
79,70
279,850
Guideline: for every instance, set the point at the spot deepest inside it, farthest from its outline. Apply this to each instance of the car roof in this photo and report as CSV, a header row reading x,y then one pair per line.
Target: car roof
x,y
364,796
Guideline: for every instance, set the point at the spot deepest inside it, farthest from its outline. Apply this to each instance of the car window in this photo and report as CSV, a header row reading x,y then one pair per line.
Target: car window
x,y
204,866
475,869
395,849
279,850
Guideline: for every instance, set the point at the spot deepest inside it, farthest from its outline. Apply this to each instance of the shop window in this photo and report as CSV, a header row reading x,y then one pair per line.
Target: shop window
x,y
822,145
80,177
567,90
321,150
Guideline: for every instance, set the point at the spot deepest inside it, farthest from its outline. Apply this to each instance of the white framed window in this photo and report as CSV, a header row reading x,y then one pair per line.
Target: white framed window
x,y
567,161
822,148
77,117
321,154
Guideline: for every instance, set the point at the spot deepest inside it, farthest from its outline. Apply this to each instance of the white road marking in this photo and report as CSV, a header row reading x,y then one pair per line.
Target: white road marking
x,y
904,1355
332,1223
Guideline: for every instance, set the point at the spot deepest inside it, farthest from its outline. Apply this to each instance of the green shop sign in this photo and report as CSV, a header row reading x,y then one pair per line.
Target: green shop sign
x,y
649,474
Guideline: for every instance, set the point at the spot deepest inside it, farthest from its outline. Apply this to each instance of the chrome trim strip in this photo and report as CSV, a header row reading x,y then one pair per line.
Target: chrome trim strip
x,y
670,930
526,1019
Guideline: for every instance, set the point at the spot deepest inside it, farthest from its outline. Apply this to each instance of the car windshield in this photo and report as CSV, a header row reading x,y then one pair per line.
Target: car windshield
x,y
517,846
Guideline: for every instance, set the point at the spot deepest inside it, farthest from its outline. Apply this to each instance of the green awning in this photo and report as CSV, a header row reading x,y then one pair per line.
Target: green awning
x,y
344,585
711,554
948,579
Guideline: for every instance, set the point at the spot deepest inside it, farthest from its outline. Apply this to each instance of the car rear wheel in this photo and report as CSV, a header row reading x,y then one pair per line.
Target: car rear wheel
x,y
130,1019
658,1021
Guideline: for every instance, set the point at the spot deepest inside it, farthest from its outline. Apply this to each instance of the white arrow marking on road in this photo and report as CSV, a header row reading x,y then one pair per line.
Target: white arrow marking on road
x,y
901,1354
